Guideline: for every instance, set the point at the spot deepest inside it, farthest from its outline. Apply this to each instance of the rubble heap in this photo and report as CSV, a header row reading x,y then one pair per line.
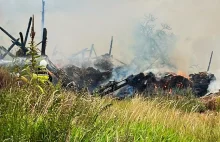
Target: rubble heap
x,y
104,63
201,82
87,77
149,82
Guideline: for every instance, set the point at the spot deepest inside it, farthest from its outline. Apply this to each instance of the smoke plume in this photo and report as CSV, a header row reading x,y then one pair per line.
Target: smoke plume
x,y
77,24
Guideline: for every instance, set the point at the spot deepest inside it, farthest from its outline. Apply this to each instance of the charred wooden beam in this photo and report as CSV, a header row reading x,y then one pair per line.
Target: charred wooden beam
x,y
210,61
24,49
110,50
90,53
5,50
9,35
9,49
27,32
44,42
22,38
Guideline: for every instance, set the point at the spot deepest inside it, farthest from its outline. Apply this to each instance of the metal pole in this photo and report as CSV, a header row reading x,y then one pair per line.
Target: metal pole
x,y
43,14
210,61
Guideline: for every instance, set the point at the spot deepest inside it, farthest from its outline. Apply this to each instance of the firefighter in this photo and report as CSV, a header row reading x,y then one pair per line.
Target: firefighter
x,y
43,74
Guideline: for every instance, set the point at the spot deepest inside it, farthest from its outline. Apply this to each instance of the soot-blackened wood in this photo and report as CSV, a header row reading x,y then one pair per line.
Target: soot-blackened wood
x,y
44,42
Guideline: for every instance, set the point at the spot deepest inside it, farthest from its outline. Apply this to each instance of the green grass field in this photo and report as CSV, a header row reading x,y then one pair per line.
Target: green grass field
x,y
28,114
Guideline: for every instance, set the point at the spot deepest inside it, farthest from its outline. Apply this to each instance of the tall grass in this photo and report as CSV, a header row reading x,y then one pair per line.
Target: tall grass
x,y
28,115
5,78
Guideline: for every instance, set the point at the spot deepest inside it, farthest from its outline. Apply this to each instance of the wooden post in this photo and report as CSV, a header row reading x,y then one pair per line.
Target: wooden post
x,y
210,61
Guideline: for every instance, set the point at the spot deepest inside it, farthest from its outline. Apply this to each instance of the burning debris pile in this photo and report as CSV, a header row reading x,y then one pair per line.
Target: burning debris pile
x,y
150,82
94,76
104,63
87,77
201,82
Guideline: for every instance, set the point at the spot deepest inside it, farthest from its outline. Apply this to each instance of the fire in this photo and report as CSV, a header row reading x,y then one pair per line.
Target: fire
x,y
182,74
170,91
155,86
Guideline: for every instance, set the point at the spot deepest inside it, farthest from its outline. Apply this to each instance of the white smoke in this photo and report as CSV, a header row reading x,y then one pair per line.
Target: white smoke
x,y
214,86
76,24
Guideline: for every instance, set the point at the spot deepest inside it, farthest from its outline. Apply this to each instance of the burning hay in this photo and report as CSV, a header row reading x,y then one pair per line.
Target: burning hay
x,y
201,82
150,82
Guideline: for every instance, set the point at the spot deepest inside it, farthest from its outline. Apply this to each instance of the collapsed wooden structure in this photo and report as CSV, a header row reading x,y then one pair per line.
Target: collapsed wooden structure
x,y
21,42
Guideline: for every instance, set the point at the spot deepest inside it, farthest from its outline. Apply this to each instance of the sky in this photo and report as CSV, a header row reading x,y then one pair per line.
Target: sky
x,y
77,24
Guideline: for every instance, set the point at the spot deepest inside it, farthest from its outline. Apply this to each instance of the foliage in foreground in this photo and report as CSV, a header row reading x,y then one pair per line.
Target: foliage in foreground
x,y
5,78
27,114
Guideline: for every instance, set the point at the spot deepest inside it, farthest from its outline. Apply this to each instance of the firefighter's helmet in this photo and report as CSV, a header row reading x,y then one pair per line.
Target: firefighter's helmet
x,y
43,63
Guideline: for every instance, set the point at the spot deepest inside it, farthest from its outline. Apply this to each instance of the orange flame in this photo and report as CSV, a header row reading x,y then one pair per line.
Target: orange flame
x,y
155,86
182,74
170,91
